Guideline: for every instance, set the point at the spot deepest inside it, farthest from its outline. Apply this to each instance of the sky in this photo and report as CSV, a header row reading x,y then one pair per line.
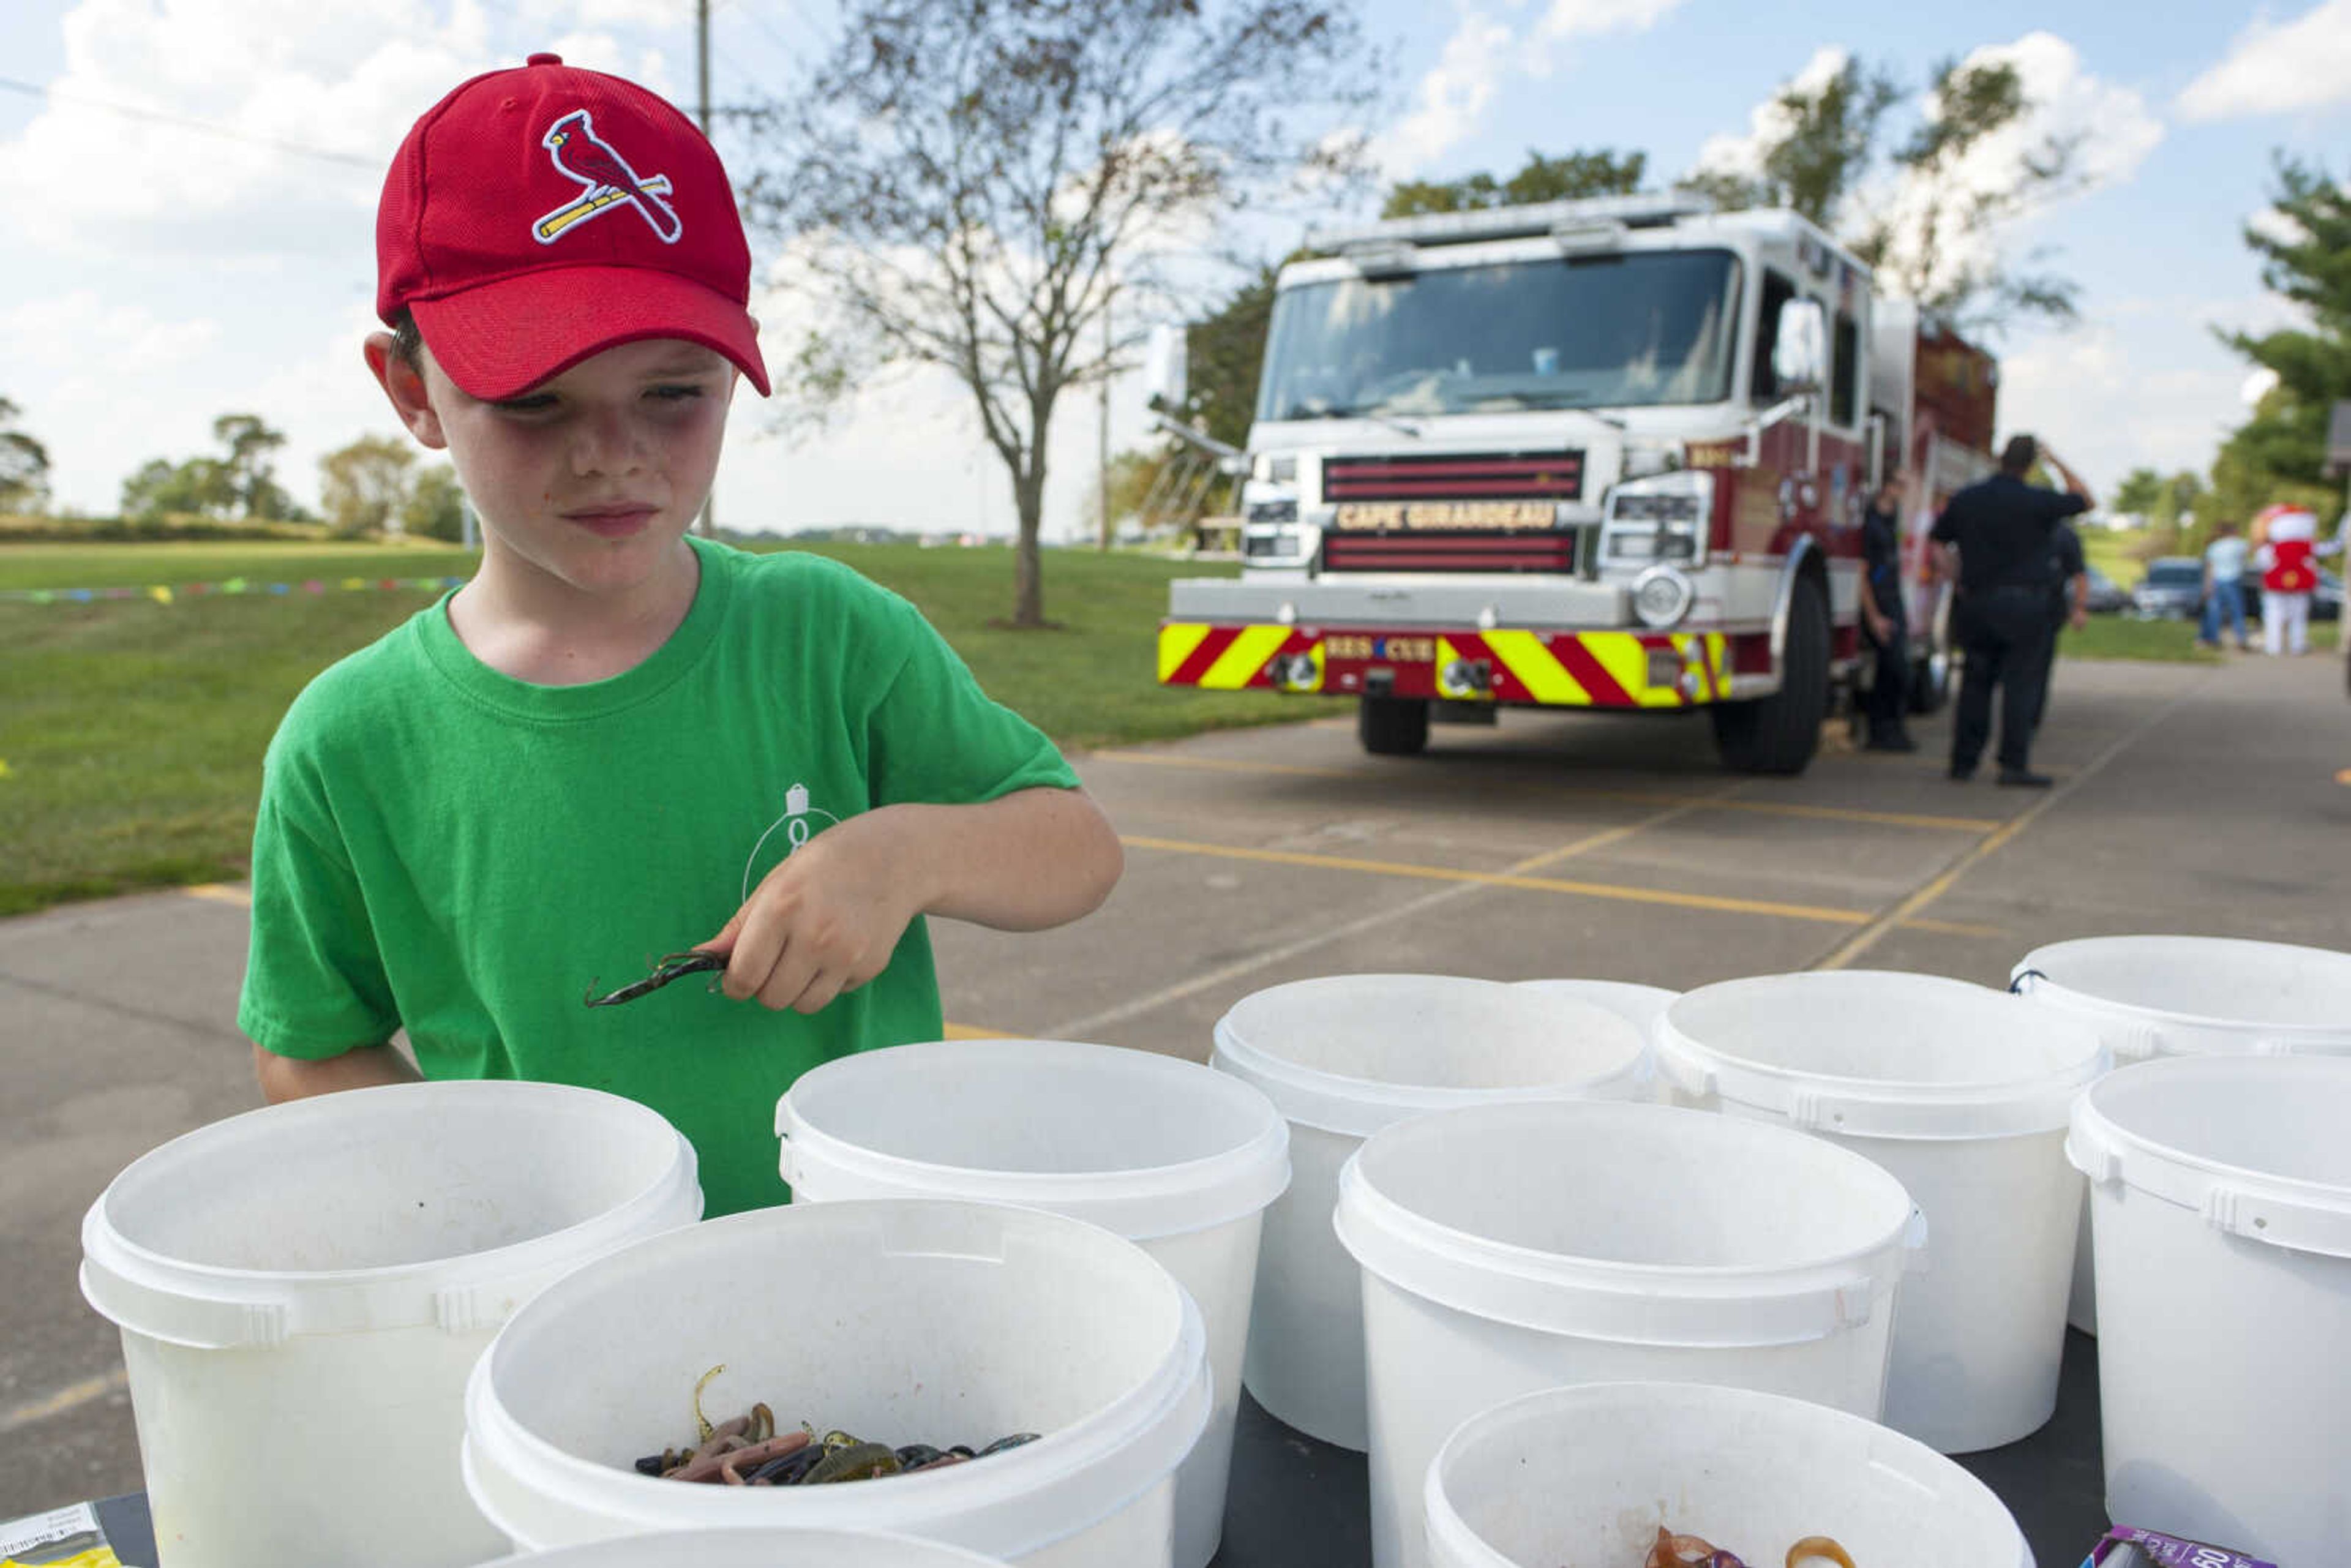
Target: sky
x,y
155,274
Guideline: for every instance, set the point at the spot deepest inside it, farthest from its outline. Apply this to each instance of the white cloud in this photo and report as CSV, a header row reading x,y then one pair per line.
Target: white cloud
x,y
2276,67
1589,18
2258,385
1450,101
1452,98
344,80
2112,128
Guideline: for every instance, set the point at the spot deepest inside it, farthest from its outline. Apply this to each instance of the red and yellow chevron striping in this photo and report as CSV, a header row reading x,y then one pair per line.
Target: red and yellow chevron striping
x,y
1566,669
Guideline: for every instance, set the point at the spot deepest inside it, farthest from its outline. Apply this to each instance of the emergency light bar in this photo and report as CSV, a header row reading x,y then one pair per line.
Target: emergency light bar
x,y
1643,211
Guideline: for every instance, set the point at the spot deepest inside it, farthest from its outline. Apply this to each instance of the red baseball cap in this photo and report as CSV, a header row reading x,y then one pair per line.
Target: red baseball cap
x,y
540,215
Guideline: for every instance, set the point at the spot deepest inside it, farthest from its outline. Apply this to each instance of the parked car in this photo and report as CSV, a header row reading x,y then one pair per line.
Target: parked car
x,y
2325,604
2173,589
2106,597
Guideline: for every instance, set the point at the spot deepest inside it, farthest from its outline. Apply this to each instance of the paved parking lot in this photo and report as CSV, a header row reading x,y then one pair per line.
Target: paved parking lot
x,y
2189,798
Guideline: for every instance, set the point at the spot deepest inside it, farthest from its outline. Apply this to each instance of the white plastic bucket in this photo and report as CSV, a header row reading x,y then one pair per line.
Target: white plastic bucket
x,y
1640,1006
1506,1249
303,1289
1342,1057
900,1319
1588,1475
1964,1094
2221,1191
1176,1158
756,1549
2188,996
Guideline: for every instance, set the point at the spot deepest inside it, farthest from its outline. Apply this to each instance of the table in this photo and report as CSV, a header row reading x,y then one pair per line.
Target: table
x,y
1295,1502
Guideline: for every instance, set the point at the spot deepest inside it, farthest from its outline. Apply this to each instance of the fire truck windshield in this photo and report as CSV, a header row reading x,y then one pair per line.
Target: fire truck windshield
x,y
1604,331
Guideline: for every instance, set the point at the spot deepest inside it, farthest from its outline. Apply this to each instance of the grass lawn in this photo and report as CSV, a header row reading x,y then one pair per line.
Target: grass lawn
x,y
132,736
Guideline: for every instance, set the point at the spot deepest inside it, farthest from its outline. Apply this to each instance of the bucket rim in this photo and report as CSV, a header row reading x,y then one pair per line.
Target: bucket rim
x,y
1354,1106
1909,1109
2293,1212
1462,1542
1648,1303
211,1305
2031,974
1139,1202
946,1554
1133,1442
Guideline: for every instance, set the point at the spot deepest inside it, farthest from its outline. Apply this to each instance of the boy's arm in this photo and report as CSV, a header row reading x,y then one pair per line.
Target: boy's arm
x,y
285,1077
828,919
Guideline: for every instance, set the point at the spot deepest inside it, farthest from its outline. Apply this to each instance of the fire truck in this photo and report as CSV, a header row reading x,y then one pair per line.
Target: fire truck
x,y
1603,454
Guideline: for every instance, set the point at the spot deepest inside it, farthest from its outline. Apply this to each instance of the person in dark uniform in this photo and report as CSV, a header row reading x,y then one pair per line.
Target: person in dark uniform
x,y
2001,530
2069,602
1886,620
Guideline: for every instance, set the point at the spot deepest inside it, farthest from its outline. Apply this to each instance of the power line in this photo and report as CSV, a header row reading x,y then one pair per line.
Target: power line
x,y
183,122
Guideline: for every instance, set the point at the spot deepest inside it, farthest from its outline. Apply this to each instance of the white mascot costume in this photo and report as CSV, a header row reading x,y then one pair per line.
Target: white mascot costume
x,y
2288,577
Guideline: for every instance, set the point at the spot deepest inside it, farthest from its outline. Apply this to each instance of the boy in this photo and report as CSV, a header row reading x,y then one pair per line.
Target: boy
x,y
615,739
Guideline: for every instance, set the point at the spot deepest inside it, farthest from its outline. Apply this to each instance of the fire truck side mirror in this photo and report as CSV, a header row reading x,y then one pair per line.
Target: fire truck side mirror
x,y
1800,348
1164,369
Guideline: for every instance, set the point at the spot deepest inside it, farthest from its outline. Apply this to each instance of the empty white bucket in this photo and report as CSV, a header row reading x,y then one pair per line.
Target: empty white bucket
x,y
1964,1094
2188,996
1166,1153
2221,1191
1342,1057
1587,1476
1640,1006
303,1289
902,1321
1506,1248
756,1549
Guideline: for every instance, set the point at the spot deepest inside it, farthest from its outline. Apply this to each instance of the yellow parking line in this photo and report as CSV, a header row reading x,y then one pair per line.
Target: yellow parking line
x,y
967,1032
1639,797
1957,929
73,1396
1504,879
221,892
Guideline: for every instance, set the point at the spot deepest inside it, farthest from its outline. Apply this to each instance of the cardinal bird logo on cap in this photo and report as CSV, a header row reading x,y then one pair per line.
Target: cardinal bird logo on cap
x,y
606,181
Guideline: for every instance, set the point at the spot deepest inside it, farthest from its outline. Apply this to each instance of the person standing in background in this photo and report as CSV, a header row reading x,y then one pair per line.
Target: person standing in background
x,y
2224,585
2069,603
1886,619
2001,531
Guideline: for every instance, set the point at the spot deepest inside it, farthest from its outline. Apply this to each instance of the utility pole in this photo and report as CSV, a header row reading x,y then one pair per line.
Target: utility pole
x,y
709,522
1102,453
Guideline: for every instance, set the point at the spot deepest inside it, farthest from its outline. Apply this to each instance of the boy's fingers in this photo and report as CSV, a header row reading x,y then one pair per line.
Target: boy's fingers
x,y
790,978
819,993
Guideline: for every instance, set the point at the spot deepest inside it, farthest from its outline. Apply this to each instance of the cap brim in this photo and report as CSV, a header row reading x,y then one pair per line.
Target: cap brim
x,y
501,339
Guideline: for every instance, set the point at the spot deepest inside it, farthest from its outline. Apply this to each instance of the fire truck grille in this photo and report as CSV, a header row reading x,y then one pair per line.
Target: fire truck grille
x,y
1455,475
1449,552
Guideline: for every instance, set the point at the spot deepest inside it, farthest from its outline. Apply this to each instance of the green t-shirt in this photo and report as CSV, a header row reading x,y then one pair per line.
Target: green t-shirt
x,y
443,848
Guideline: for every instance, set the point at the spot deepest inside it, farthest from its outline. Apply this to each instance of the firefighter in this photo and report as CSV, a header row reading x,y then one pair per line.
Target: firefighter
x,y
2002,531
1886,620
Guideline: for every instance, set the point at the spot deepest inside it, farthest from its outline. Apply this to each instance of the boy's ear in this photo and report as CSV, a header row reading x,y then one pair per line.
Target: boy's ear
x,y
403,383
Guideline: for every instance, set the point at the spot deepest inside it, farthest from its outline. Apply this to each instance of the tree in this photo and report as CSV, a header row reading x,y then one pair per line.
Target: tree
x,y
1925,241
199,487
1604,172
250,442
1224,352
1932,235
2303,258
24,466
1829,141
2135,496
436,507
364,486
968,185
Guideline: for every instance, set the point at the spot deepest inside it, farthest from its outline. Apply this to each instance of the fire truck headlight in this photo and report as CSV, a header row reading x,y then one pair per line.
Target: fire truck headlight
x,y
1662,596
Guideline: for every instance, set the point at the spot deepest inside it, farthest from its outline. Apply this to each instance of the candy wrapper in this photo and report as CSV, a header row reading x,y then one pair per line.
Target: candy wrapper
x,y
2124,1547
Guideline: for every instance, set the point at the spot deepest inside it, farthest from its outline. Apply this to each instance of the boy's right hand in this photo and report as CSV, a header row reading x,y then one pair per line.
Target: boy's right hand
x,y
825,921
